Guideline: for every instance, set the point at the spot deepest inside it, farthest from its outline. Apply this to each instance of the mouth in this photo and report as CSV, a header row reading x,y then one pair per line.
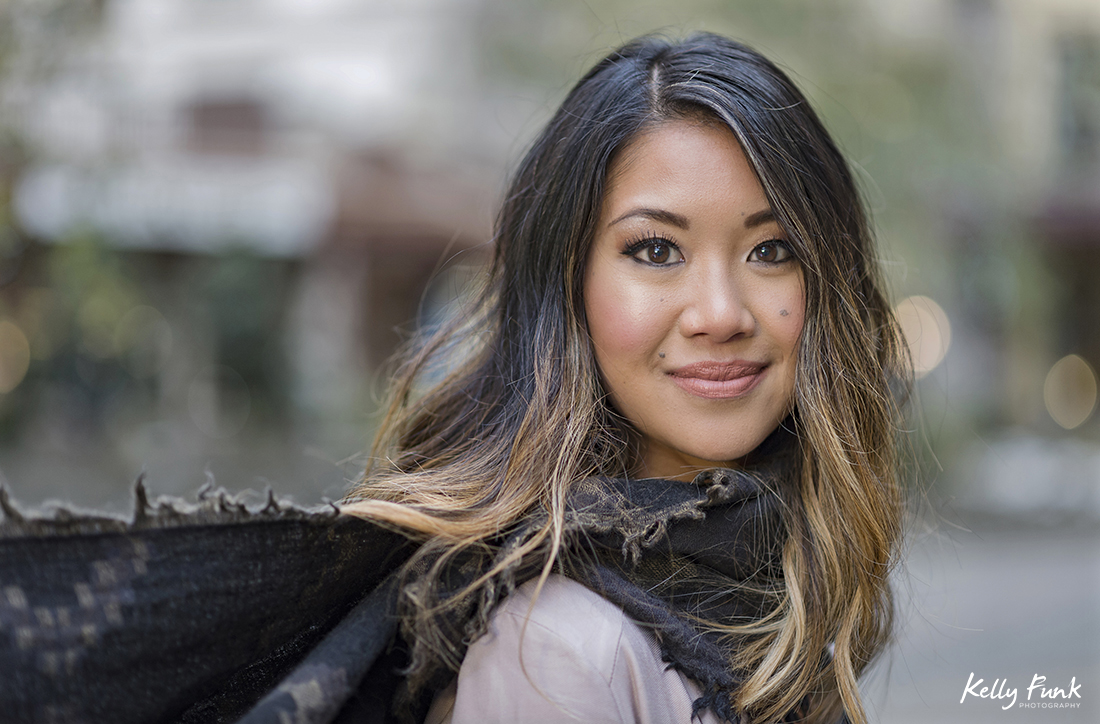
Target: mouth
x,y
719,380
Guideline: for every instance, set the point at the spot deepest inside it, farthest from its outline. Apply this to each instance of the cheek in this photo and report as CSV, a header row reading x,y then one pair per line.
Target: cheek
x,y
786,316
622,321
791,327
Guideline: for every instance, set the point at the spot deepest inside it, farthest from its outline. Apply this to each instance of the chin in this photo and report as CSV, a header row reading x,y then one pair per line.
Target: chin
x,y
724,453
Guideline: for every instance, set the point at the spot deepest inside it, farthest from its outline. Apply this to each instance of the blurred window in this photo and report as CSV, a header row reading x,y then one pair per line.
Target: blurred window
x,y
227,126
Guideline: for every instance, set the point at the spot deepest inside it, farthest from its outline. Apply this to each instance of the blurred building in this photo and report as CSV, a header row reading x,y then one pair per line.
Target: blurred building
x,y
1025,237
294,172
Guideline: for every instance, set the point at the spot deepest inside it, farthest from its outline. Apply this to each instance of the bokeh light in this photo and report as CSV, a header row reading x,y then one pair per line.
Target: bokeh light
x,y
1070,391
927,331
15,356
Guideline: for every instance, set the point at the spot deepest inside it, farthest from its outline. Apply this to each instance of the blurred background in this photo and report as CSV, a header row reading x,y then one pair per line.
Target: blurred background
x,y
218,218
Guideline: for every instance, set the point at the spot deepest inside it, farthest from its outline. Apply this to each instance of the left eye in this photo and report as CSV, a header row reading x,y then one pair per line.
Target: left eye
x,y
771,252
656,252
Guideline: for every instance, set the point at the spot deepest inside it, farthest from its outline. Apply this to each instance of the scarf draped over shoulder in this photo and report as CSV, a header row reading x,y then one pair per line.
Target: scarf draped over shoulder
x,y
221,612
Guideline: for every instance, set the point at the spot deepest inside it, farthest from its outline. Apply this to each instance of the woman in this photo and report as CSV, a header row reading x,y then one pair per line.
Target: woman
x,y
672,413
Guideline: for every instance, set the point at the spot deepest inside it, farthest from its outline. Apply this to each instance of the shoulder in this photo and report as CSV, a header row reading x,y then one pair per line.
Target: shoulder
x,y
569,620
565,654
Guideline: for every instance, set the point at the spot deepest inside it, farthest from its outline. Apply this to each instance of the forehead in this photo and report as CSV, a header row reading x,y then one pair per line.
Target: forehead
x,y
682,162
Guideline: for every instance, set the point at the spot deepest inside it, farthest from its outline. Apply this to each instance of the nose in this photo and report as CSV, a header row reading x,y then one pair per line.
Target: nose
x,y
716,306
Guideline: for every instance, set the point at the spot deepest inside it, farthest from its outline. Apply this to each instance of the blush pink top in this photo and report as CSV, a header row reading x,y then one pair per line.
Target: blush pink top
x,y
582,659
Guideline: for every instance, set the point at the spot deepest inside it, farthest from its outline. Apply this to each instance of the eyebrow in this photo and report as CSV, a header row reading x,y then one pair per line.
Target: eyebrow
x,y
667,217
759,218
681,222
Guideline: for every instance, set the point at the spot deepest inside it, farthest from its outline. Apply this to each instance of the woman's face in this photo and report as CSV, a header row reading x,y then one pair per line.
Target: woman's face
x,y
694,301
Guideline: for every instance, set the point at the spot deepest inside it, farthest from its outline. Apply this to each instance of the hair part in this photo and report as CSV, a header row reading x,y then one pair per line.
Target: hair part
x,y
502,410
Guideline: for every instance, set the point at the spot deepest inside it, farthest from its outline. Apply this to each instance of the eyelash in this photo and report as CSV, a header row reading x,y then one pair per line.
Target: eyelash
x,y
633,247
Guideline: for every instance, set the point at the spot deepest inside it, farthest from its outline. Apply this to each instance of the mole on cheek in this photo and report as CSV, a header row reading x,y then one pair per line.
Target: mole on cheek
x,y
661,355
783,312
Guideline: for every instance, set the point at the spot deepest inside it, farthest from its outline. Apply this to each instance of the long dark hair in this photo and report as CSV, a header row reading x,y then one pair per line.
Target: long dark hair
x,y
502,410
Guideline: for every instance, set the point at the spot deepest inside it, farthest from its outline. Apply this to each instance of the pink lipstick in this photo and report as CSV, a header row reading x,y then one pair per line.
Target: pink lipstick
x,y
719,380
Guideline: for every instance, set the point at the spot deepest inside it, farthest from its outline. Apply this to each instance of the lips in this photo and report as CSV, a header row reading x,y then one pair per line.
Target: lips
x,y
719,380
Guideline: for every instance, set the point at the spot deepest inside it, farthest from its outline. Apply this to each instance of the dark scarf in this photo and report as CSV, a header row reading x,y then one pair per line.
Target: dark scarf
x,y
220,613
667,553
709,551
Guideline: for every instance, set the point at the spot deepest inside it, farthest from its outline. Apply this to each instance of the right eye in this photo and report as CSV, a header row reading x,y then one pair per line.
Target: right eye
x,y
657,252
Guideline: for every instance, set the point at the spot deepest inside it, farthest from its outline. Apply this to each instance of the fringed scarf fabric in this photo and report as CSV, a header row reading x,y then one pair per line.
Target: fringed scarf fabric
x,y
218,612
